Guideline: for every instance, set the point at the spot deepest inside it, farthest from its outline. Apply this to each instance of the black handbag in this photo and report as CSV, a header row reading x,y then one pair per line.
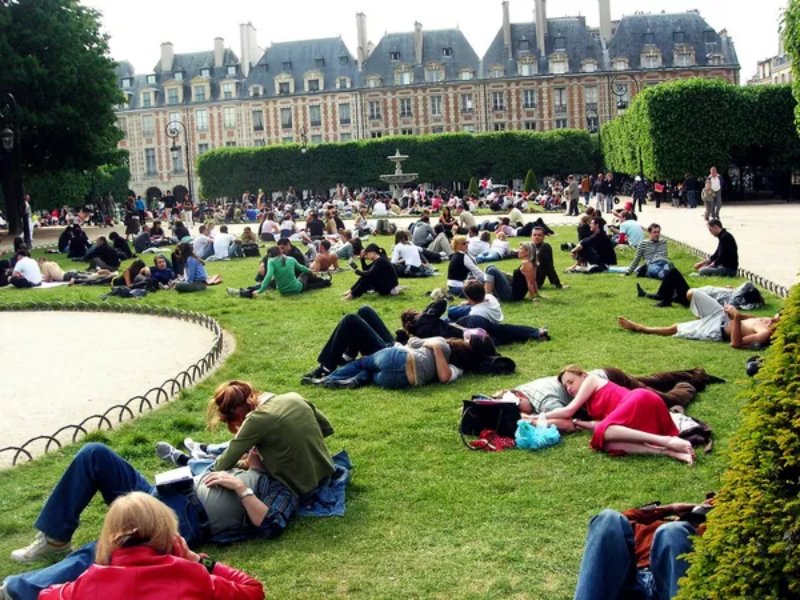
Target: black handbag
x,y
482,412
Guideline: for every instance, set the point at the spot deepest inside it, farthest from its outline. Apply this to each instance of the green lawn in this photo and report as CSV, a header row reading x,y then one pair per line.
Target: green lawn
x,y
425,517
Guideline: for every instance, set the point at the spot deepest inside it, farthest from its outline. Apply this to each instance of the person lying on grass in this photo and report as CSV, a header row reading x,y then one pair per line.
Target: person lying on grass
x,y
714,323
420,362
622,421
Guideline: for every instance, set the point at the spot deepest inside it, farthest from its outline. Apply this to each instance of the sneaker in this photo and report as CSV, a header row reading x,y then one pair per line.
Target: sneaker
x,y
544,334
41,546
169,453
232,292
342,384
640,291
306,380
196,449
317,373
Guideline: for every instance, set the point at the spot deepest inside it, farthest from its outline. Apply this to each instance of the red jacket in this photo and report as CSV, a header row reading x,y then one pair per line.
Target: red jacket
x,y
140,572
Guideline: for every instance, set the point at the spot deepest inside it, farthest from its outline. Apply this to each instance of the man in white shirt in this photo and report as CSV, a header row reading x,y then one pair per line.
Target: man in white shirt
x,y
26,272
716,187
478,304
379,208
203,247
223,242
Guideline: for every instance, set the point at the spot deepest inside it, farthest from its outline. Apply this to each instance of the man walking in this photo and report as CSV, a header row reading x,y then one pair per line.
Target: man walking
x,y
716,186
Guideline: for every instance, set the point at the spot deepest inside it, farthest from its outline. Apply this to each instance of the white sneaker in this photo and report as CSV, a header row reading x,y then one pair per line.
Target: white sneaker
x,y
195,449
232,291
39,547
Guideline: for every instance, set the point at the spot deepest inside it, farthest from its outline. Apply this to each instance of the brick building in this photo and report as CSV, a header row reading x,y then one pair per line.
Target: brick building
x,y
541,75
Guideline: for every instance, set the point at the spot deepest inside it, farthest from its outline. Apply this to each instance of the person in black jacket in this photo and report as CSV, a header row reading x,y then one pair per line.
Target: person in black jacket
x,y
121,245
102,255
379,276
78,244
725,260
544,256
597,249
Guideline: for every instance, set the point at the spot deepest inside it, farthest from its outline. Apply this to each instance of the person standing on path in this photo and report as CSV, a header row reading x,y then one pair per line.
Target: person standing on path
x,y
573,191
715,179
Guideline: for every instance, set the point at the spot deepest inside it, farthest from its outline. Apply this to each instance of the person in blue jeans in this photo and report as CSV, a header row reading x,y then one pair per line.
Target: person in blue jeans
x,y
639,553
266,507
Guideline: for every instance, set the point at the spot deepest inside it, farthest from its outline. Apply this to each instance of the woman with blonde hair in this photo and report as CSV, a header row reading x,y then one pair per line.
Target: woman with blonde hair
x,y
622,421
141,554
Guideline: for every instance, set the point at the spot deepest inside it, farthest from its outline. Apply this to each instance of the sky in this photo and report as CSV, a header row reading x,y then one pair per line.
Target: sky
x,y
137,29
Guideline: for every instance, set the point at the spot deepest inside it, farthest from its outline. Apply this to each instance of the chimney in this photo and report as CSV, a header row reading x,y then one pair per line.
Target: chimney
x,y
167,57
541,26
249,56
506,31
418,42
219,52
605,20
362,52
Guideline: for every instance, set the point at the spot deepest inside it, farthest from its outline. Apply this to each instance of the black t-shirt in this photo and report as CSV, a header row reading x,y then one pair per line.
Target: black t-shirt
x,y
316,228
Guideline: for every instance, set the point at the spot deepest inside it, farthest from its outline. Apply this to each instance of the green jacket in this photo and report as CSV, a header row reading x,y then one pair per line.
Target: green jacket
x,y
282,270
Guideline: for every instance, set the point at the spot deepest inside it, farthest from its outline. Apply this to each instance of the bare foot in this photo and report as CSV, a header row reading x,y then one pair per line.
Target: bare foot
x,y
684,457
627,324
677,444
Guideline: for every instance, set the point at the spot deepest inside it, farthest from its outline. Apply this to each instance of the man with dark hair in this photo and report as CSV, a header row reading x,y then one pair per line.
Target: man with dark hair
x,y
544,255
725,260
654,253
596,250
325,260
288,249
102,255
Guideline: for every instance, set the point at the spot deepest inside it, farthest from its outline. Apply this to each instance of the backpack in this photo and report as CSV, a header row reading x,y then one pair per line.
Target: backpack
x,y
482,412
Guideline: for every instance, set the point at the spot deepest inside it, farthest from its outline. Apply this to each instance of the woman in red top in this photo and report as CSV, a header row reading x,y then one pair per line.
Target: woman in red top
x,y
623,421
141,555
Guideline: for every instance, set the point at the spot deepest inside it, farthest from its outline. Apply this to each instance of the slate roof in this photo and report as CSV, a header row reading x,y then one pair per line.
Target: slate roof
x,y
329,56
463,56
629,38
567,33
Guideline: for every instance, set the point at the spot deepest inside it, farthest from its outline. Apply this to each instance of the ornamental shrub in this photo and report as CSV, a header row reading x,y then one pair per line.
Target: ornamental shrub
x,y
472,190
751,548
530,182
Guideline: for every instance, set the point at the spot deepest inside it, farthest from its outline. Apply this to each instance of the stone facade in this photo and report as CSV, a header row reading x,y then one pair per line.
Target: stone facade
x,y
419,82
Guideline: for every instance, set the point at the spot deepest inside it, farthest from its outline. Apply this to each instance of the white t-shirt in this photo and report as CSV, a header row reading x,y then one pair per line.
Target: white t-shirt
x,y
716,184
379,209
29,269
222,245
476,245
200,245
407,253
488,309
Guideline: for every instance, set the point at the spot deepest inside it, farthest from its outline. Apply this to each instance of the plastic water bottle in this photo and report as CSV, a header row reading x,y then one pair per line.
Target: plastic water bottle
x,y
541,421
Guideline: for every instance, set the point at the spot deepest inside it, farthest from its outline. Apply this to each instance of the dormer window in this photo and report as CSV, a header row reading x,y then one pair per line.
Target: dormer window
x,y
684,56
447,51
151,79
394,55
148,99
403,76
172,95
716,60
344,59
651,59
496,72
524,45
199,93
709,36
648,39
619,64
434,73
287,65
205,72
678,37
374,81
589,66
283,88
126,83
228,90
343,83
559,43
558,64
466,74
319,62
312,85
256,91
231,70
178,75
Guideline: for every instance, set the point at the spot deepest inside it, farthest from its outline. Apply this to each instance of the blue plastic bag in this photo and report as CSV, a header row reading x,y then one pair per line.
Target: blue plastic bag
x,y
534,438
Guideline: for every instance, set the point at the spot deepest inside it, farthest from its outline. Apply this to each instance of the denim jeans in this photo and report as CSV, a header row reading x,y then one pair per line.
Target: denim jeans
x,y
657,269
717,272
488,256
608,569
454,313
501,281
363,333
95,468
385,368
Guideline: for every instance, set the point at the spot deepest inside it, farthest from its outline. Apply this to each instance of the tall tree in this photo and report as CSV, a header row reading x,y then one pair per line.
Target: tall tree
x,y
55,61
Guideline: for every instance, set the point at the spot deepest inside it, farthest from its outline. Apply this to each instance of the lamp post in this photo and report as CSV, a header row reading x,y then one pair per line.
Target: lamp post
x,y
173,130
593,126
621,92
304,140
11,160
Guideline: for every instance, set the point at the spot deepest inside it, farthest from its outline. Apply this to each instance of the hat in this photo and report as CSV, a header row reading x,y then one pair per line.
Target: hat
x,y
637,178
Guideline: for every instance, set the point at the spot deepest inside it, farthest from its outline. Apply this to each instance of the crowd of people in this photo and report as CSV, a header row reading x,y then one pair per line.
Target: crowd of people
x,y
277,459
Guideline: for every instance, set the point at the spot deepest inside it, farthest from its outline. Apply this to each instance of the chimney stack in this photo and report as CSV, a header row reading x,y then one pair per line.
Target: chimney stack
x,y
506,31
541,26
362,51
167,57
219,52
249,56
605,20
418,42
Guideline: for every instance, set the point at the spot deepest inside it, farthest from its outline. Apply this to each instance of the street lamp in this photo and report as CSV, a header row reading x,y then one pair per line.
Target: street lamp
x,y
11,159
592,120
304,139
620,90
173,130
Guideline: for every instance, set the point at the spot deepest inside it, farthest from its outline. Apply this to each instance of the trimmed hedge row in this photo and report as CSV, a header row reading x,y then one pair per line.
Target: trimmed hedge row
x,y
685,126
441,158
751,548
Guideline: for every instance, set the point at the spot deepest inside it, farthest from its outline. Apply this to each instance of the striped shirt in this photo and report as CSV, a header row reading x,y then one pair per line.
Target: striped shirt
x,y
649,251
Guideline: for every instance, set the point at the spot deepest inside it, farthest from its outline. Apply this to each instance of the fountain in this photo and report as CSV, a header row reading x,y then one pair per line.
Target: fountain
x,y
398,178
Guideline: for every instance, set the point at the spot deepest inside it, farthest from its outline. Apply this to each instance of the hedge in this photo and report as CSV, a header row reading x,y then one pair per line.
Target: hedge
x,y
751,548
686,126
437,159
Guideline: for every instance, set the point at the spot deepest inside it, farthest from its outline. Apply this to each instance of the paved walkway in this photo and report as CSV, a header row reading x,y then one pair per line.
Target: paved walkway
x,y
765,233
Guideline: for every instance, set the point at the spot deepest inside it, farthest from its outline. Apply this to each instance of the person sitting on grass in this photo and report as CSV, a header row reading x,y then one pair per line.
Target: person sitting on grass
x,y
545,267
102,255
622,421
497,251
121,245
594,253
136,273
141,554
78,243
406,257
223,244
283,271
522,282
222,506
325,260
380,276
26,272
195,277
725,260
161,273
653,251
714,323
461,267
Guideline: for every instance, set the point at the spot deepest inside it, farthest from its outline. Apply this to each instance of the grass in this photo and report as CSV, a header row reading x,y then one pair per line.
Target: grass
x,y
425,517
